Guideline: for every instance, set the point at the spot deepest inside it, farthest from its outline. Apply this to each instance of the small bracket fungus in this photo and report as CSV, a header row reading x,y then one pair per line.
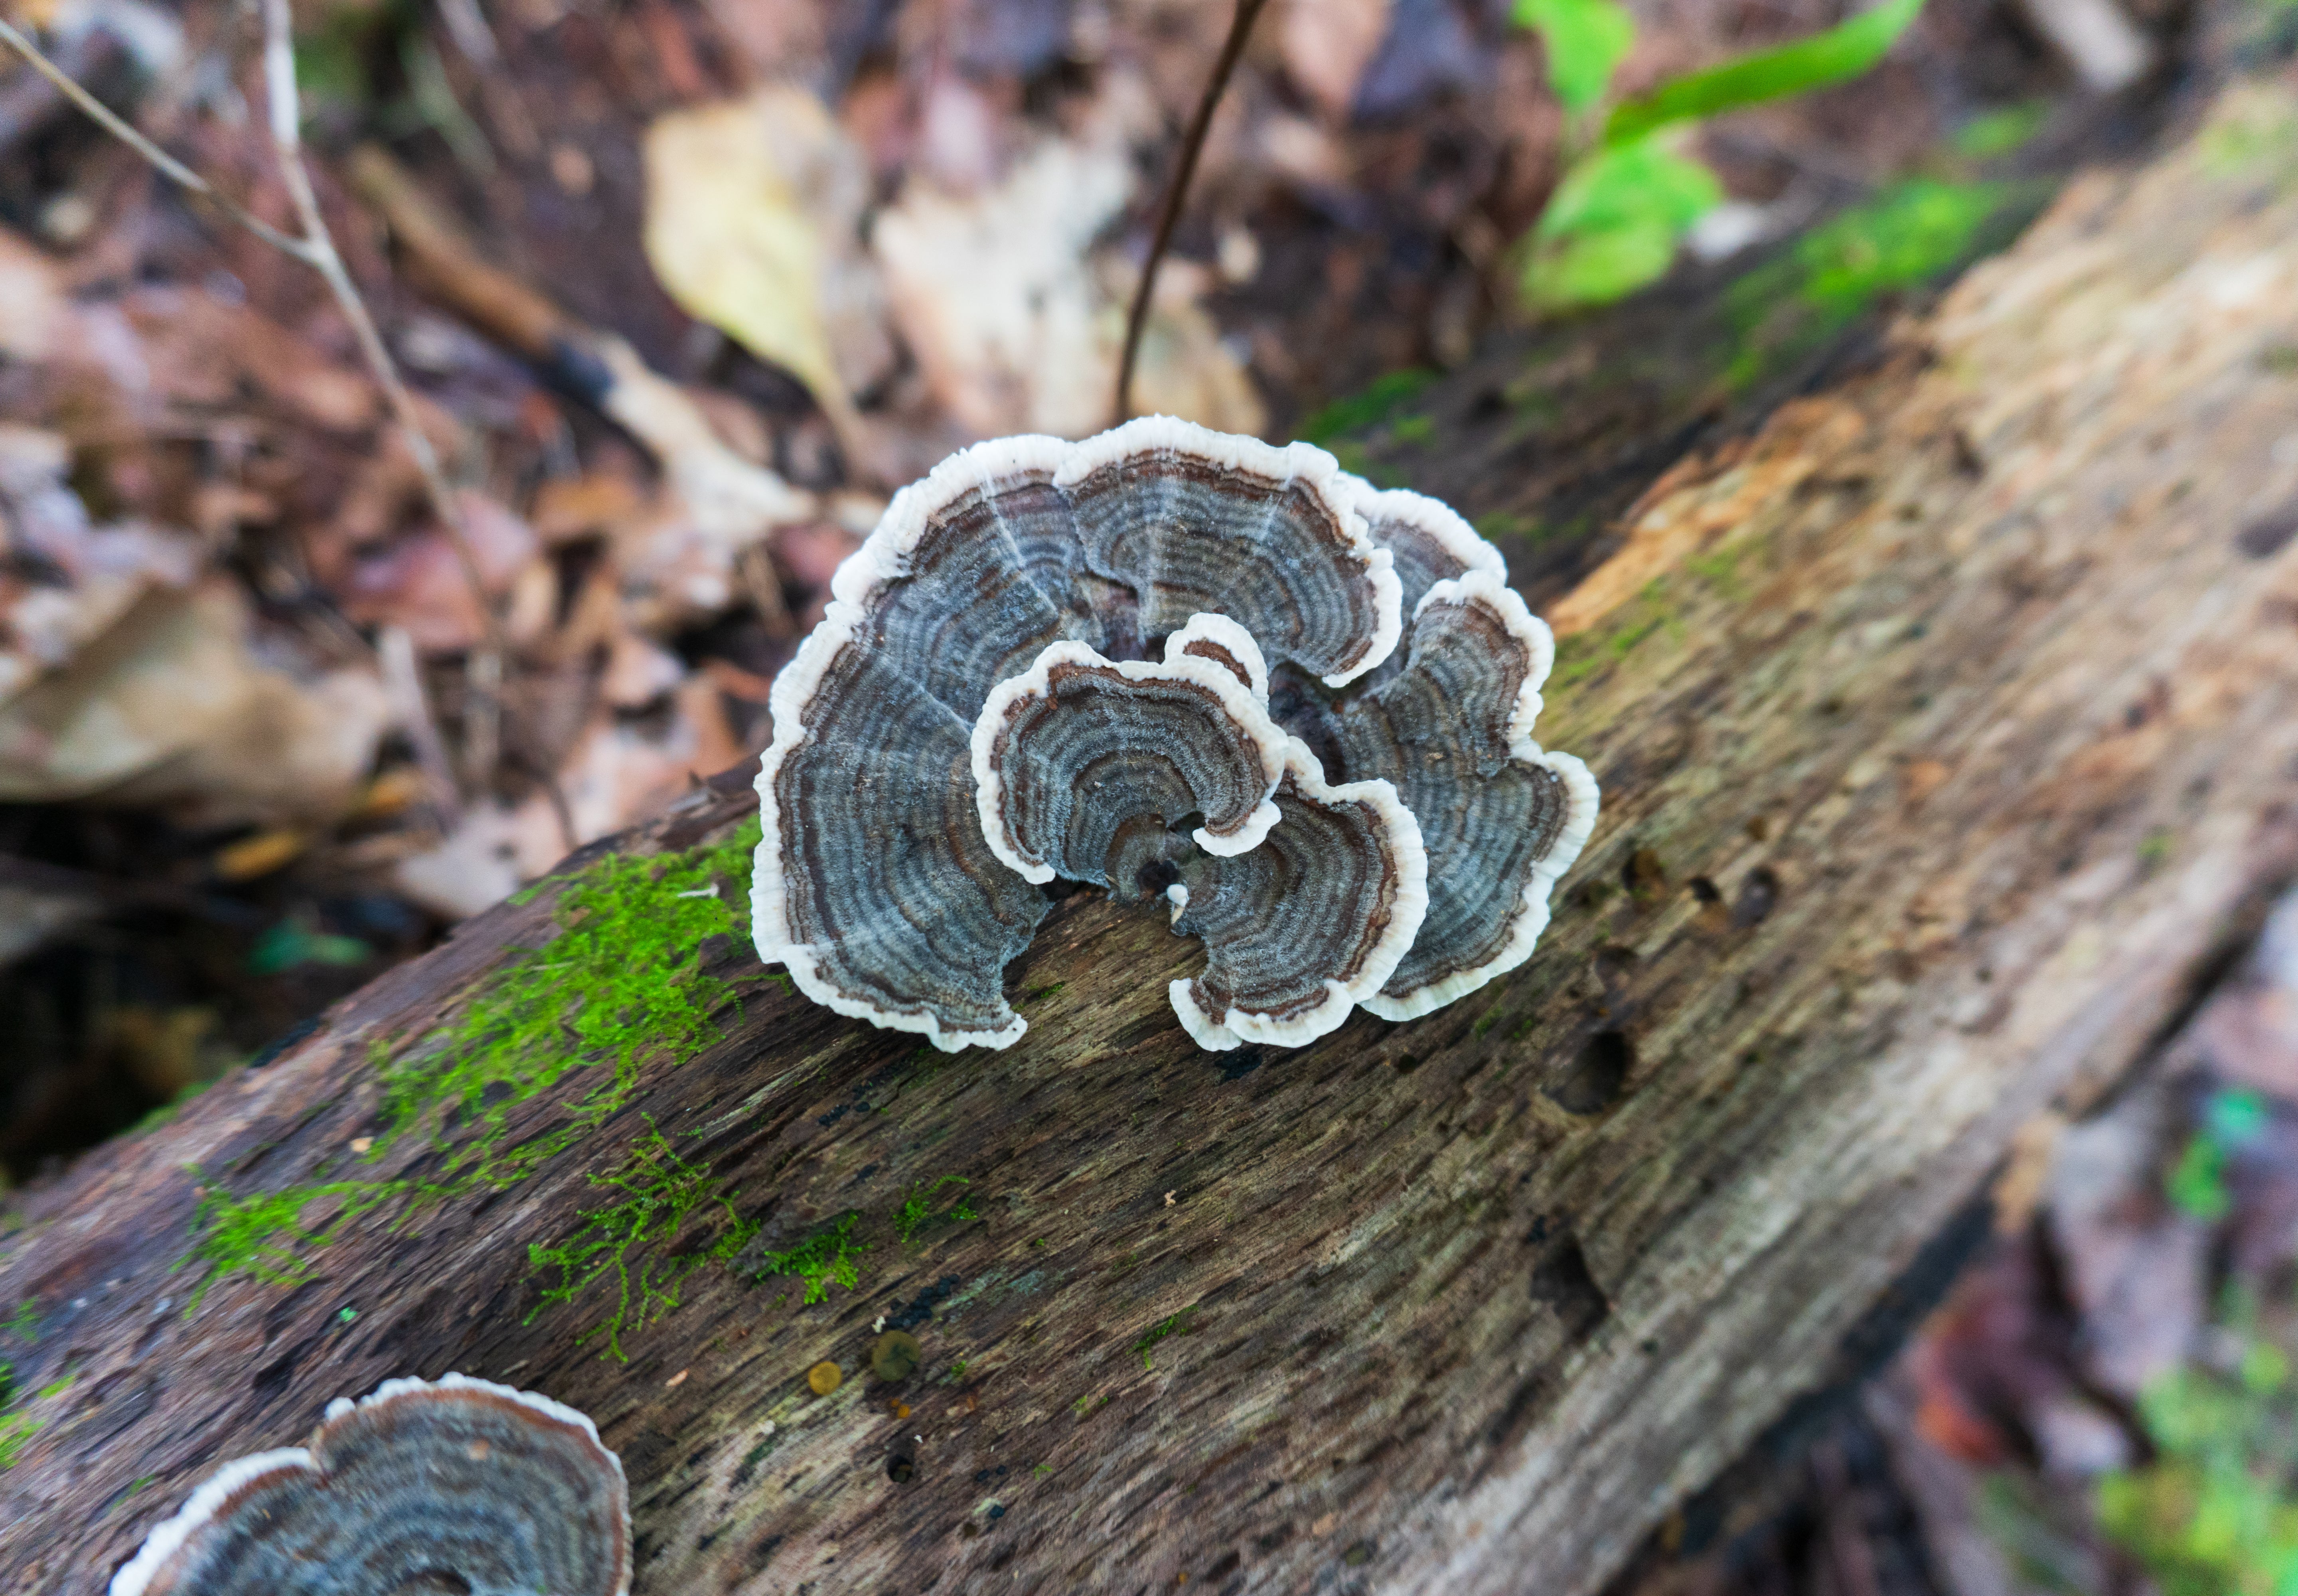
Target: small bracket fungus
x,y
459,1486
1163,659
1076,751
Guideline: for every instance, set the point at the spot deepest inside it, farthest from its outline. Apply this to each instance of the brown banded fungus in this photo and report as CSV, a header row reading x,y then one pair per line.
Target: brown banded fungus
x,y
1072,757
460,1486
1162,658
1502,819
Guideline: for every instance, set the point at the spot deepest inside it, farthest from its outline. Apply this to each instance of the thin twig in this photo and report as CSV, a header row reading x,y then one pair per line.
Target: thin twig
x,y
167,165
482,727
1193,144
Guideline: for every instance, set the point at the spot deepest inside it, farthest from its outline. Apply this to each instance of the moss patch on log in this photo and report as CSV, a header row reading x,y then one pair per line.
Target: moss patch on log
x,y
620,986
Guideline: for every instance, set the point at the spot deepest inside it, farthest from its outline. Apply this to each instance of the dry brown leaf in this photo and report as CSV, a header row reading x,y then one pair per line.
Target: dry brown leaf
x,y
1018,327
569,508
1183,369
993,292
751,219
91,575
172,705
637,672
261,854
417,583
35,315
1327,46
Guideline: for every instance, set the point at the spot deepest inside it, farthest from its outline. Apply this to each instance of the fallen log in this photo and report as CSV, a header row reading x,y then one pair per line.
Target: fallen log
x,y
1947,729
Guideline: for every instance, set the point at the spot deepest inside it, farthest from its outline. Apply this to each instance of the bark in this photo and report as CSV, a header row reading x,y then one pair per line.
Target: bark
x,y
1947,729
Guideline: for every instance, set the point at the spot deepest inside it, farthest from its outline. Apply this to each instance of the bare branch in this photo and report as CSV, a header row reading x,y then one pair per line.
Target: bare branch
x,y
482,735
1193,144
167,166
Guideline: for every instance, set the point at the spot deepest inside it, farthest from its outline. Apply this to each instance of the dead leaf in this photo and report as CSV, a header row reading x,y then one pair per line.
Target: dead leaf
x,y
569,508
1183,369
203,349
473,868
993,294
752,214
35,315
261,854
637,672
173,705
417,581
72,581
679,557
1327,46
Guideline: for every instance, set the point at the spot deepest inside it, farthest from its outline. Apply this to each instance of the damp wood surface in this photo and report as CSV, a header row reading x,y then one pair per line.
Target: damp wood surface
x,y
1947,730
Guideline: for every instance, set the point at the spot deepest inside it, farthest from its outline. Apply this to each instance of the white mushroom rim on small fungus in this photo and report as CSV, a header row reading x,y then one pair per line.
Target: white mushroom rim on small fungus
x,y
1401,851
1224,695
457,1480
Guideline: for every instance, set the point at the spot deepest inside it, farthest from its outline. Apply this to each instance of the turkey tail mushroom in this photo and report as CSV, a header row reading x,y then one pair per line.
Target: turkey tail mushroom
x,y
461,1485
1050,655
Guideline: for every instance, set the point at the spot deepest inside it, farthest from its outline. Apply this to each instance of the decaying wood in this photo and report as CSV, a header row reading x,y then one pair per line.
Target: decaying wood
x,y
1944,728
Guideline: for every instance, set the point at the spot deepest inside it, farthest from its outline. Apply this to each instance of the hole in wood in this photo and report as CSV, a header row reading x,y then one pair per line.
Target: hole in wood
x,y
1562,1282
1644,875
1613,962
2267,536
1594,1080
1759,894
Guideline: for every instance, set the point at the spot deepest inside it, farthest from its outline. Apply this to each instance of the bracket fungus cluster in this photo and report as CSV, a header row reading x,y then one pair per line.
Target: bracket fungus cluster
x,y
460,1486
1180,666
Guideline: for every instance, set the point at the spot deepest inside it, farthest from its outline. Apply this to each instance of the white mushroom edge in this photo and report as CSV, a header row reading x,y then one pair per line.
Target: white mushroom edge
x,y
1490,591
207,1503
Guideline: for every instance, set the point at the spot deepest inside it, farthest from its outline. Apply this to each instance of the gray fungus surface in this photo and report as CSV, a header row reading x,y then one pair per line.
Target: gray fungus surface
x,y
1175,664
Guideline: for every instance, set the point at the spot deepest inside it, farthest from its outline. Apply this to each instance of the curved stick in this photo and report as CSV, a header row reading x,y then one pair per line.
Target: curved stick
x,y
1193,144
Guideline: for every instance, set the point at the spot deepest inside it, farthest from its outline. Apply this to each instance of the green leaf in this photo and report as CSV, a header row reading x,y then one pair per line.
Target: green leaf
x,y
1614,223
1907,234
2197,1185
1585,41
1842,52
2000,132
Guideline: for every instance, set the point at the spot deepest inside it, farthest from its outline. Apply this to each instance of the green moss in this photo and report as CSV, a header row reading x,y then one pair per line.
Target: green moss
x,y
1584,653
826,1256
2252,138
1415,430
1720,570
1363,411
2154,849
1909,235
1178,1325
662,1195
1509,524
17,1426
916,1212
272,1235
619,986
2215,1513
2001,131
